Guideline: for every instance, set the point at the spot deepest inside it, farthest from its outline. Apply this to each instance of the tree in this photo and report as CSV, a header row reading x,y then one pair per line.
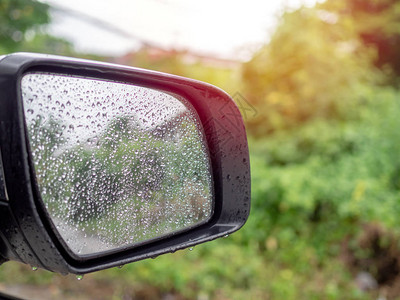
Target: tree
x,y
378,25
17,17
42,42
310,69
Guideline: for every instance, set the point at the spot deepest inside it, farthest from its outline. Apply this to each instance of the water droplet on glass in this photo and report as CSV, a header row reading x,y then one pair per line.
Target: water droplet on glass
x,y
191,249
34,268
79,277
112,161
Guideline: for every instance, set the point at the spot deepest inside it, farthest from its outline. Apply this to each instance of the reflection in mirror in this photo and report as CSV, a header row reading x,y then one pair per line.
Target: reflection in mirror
x,y
116,164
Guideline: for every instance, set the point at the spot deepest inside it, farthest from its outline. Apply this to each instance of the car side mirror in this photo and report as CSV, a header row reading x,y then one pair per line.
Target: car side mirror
x,y
102,165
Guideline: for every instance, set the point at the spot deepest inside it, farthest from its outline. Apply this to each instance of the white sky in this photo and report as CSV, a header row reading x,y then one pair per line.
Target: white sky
x,y
223,28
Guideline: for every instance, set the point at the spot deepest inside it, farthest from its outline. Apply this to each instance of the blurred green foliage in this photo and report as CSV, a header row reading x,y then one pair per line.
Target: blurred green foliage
x,y
377,24
23,29
19,18
176,62
317,60
325,162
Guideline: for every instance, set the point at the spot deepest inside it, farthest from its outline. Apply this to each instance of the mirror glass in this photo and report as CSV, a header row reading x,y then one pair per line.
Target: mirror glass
x,y
116,164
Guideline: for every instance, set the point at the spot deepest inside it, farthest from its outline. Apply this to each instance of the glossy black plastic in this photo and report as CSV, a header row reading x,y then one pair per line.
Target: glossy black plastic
x,y
27,235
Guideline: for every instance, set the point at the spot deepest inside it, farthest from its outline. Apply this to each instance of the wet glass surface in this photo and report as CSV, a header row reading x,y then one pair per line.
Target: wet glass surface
x,y
116,164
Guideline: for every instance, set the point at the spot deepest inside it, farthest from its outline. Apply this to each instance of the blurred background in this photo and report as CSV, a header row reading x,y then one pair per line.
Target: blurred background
x,y
318,87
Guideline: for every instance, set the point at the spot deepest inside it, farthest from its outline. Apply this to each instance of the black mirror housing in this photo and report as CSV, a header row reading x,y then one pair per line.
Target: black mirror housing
x,y
26,232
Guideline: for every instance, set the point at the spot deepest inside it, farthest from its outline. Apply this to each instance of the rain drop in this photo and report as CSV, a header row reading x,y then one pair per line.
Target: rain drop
x,y
110,173
79,277
34,268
